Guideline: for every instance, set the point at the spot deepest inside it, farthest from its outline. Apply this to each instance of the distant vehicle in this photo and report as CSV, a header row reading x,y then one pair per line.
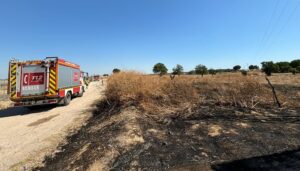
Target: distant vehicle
x,y
40,82
96,77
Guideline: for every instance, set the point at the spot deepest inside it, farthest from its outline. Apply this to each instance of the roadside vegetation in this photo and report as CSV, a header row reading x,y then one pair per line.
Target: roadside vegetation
x,y
270,67
4,101
161,95
190,122
166,93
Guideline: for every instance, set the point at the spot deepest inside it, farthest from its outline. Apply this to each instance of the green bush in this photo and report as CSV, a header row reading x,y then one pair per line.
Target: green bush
x,y
116,70
178,70
244,72
269,67
201,69
237,67
284,67
160,68
295,63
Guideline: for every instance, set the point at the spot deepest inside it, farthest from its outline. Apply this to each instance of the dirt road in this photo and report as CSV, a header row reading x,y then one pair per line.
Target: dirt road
x,y
26,136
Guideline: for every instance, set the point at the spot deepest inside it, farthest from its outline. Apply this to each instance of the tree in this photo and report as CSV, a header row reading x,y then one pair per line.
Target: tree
x,y
192,72
293,70
201,69
295,63
237,67
223,70
177,70
212,71
298,68
269,67
160,68
283,66
244,72
116,70
252,67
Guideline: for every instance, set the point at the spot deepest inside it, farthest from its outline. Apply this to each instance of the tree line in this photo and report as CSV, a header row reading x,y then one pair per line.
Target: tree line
x,y
268,67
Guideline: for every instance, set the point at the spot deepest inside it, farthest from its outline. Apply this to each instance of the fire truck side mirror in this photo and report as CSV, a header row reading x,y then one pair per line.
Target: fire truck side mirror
x,y
52,64
43,63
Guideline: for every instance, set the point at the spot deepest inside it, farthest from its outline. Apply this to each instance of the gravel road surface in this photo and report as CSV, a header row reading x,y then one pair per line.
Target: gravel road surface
x,y
26,137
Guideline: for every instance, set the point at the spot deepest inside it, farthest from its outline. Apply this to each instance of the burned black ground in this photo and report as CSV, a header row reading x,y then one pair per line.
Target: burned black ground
x,y
182,146
185,142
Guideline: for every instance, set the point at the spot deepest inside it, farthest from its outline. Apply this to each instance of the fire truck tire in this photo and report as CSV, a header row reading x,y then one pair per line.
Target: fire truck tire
x,y
33,107
67,99
81,93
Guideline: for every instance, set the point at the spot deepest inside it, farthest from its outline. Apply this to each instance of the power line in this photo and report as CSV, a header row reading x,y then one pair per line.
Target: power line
x,y
277,22
290,16
268,27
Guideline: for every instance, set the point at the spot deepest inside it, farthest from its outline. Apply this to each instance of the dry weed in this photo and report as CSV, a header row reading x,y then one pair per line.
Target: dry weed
x,y
161,94
150,92
237,90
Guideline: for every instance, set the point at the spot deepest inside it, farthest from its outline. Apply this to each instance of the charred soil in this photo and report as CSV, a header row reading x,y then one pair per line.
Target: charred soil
x,y
209,137
225,122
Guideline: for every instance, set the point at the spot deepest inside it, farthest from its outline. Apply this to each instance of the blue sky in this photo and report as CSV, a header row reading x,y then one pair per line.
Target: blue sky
x,y
135,34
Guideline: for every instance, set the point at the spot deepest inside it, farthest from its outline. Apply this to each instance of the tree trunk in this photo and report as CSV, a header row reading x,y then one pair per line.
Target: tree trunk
x,y
274,93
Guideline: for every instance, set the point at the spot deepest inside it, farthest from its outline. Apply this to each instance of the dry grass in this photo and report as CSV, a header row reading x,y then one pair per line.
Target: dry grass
x,y
4,101
156,94
281,79
276,78
235,90
4,104
151,92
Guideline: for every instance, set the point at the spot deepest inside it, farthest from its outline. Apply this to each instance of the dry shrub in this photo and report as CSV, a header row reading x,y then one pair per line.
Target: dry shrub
x,y
238,91
161,94
151,92
4,104
4,100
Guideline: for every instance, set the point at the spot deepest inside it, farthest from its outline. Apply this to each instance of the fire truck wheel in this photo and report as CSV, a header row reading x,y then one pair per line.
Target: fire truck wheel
x,y
33,107
67,99
81,93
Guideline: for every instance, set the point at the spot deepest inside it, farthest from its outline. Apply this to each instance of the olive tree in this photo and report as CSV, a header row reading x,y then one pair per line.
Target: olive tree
x,y
160,68
201,69
178,70
116,70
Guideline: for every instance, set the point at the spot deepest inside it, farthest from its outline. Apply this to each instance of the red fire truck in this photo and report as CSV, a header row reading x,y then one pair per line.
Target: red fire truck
x,y
40,82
